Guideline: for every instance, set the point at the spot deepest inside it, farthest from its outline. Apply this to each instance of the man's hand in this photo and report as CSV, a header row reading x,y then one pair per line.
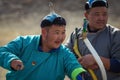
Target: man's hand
x,y
88,61
17,65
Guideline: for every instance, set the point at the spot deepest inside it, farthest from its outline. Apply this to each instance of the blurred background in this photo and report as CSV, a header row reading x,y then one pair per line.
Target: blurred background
x,y
23,17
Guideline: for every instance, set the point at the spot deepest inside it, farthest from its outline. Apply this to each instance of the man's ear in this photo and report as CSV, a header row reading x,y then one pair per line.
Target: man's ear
x,y
44,32
86,15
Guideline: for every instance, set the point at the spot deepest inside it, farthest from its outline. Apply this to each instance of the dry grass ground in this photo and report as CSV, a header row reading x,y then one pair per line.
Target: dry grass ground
x,y
10,29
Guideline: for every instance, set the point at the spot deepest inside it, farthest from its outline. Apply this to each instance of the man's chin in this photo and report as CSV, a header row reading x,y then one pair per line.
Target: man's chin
x,y
57,46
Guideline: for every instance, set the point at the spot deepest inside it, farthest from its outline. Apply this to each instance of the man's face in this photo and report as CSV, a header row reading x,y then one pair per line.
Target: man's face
x,y
55,35
97,17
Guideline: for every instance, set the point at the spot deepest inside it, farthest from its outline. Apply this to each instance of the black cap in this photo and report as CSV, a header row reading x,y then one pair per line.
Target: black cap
x,y
51,19
96,3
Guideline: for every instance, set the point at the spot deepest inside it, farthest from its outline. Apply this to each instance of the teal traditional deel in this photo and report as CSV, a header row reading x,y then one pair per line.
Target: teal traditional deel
x,y
51,16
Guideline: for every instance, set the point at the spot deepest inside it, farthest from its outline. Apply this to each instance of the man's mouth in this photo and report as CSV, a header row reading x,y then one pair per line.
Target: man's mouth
x,y
57,42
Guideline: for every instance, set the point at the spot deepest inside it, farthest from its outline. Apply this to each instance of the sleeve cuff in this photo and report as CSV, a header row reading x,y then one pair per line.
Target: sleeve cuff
x,y
76,72
114,66
9,63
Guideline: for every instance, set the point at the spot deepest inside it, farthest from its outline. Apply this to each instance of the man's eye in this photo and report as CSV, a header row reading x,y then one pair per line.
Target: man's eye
x,y
56,32
63,32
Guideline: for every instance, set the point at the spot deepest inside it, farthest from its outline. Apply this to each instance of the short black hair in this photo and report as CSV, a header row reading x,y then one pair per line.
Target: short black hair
x,y
96,3
57,21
